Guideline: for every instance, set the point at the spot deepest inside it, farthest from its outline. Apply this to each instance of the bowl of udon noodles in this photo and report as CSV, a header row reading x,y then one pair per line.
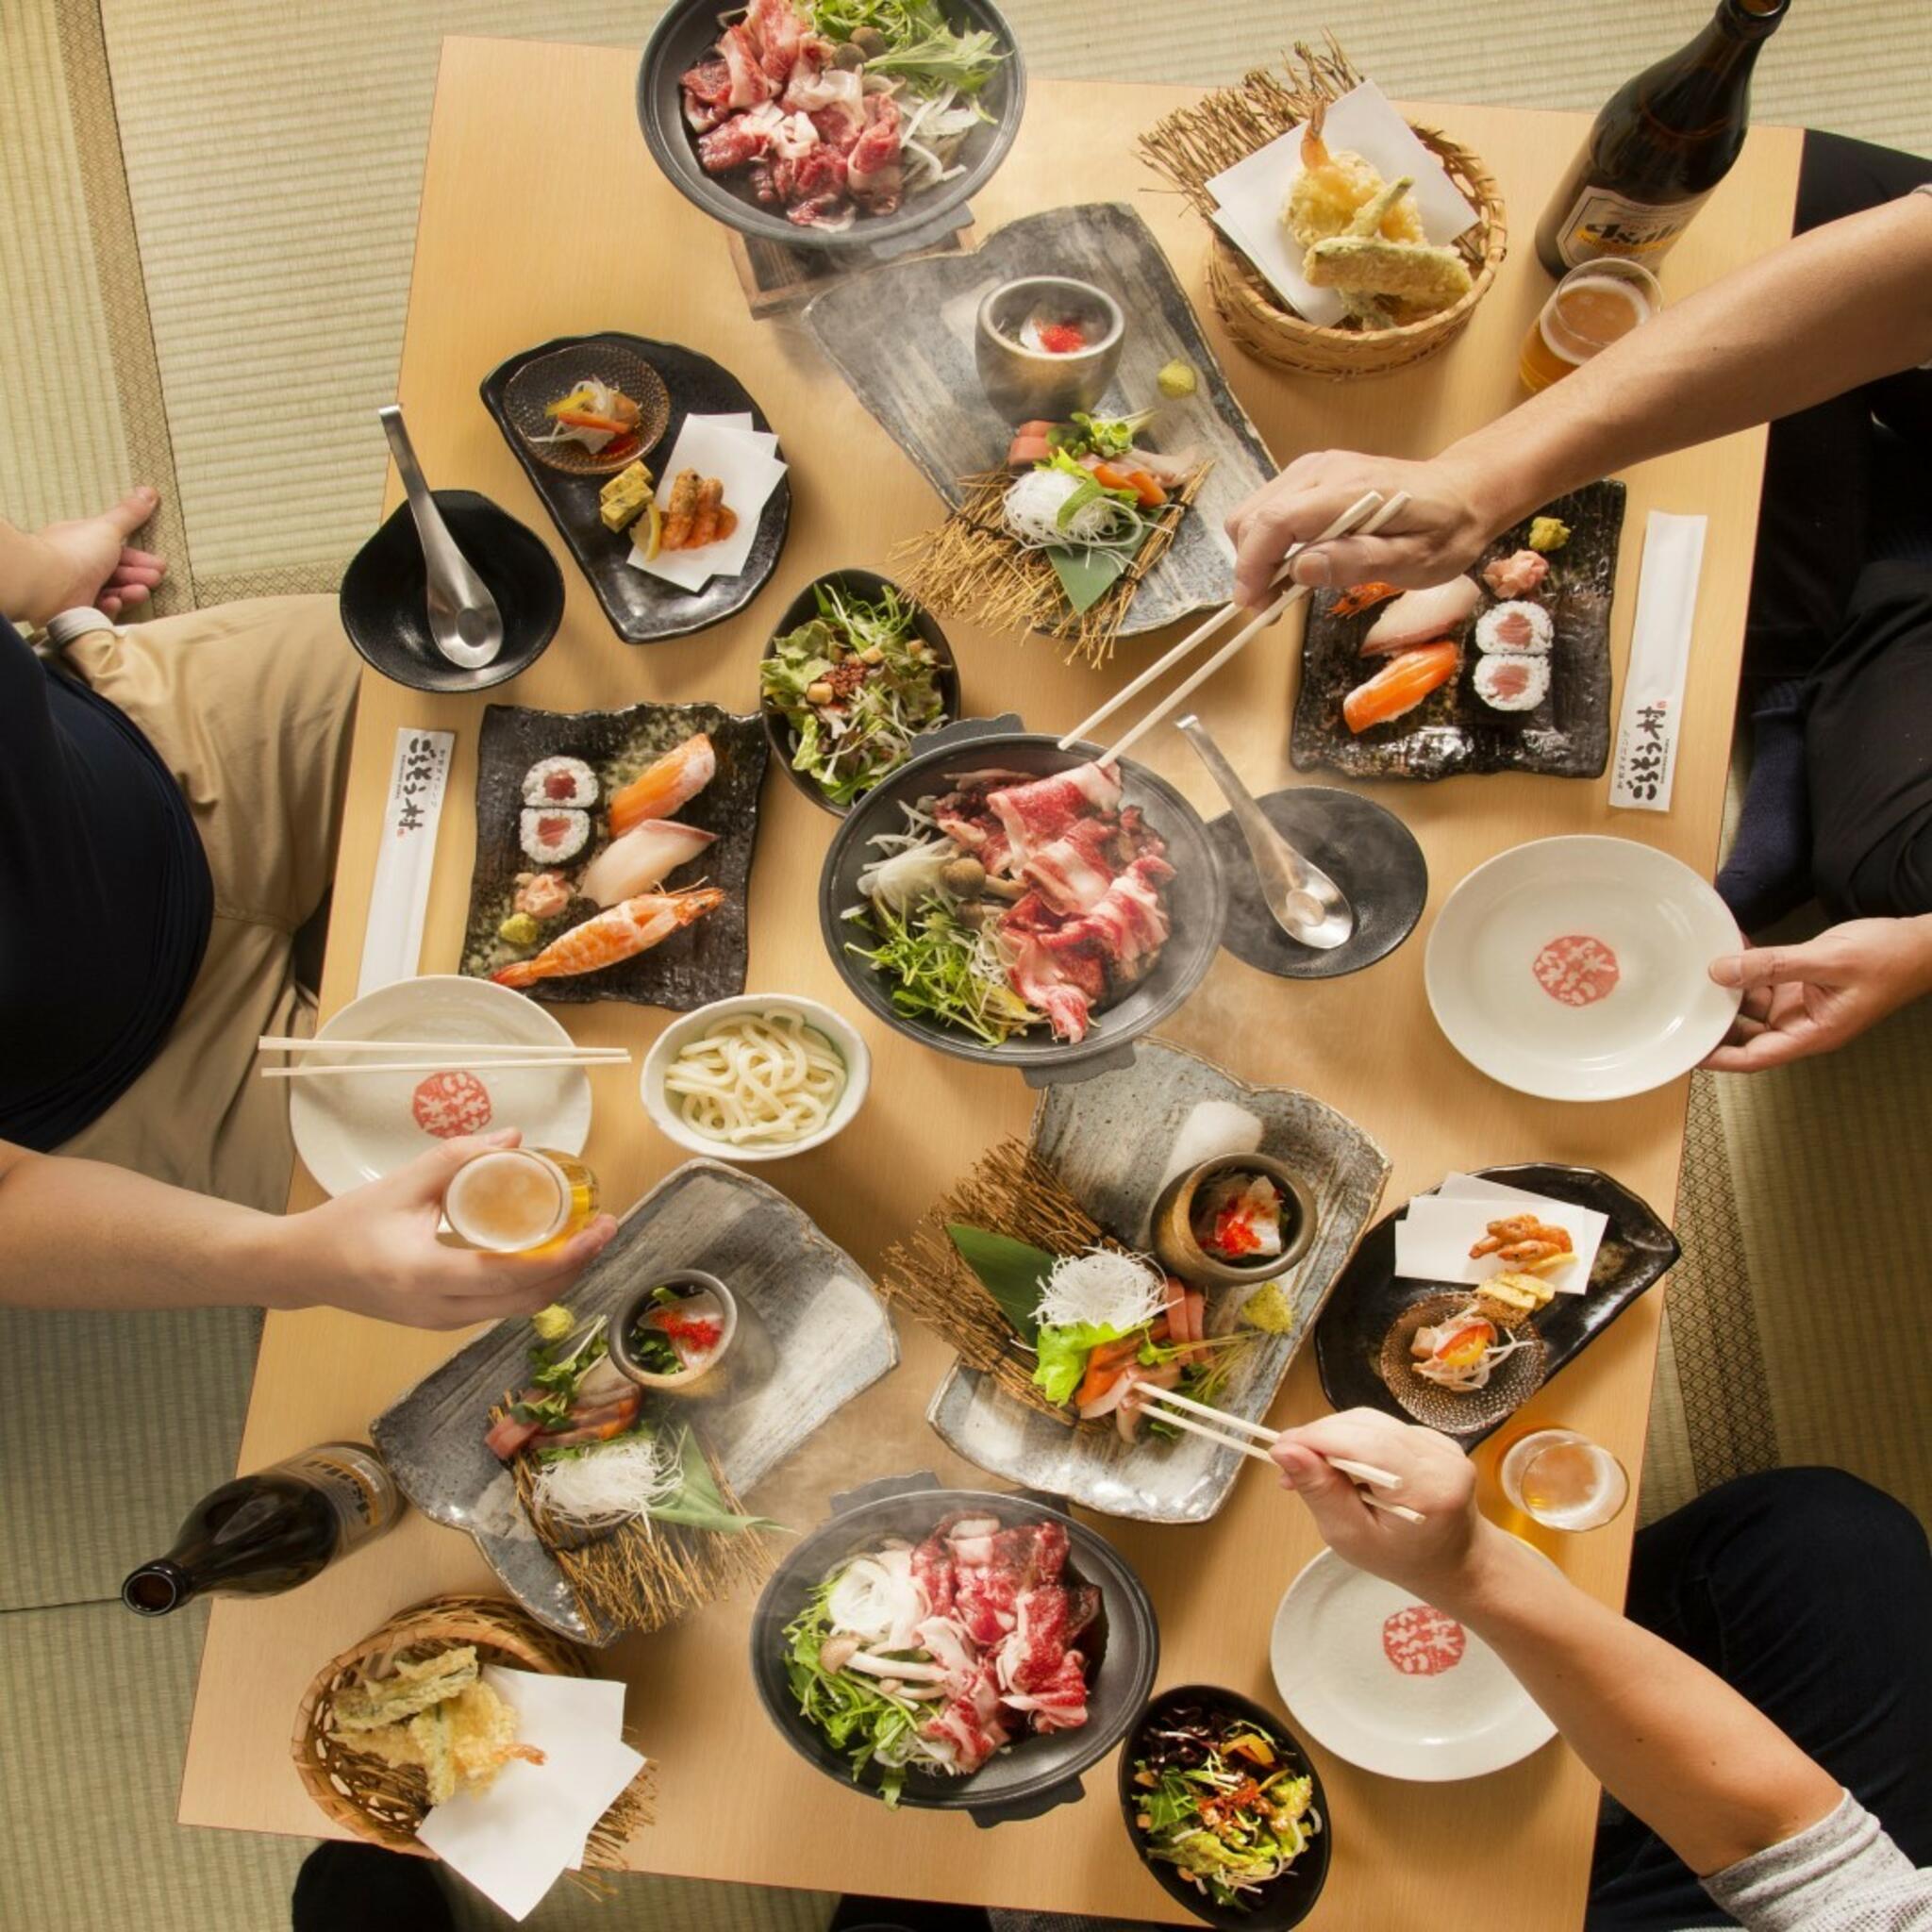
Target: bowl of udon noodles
x,y
757,1077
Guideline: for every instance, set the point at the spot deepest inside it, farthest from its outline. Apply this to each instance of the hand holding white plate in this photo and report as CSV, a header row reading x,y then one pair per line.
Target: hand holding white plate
x,y
1578,968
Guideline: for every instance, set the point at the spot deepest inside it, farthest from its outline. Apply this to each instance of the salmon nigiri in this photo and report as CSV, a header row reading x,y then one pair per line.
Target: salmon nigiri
x,y
631,927
1401,685
660,788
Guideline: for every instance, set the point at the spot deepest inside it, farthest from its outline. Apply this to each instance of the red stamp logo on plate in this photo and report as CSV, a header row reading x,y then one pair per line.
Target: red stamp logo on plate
x,y
447,1105
1423,1642
1576,970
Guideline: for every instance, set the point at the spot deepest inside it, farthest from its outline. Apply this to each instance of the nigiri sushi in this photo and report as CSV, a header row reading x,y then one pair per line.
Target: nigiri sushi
x,y
633,926
641,860
1420,617
658,790
1401,685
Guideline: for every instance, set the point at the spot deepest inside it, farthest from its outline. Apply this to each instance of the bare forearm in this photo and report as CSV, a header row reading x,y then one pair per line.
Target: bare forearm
x,y
1827,313
77,1234
1707,1770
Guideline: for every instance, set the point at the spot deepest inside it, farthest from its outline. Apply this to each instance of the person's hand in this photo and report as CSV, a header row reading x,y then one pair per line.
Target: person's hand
x,y
374,1252
1440,530
1434,1558
88,559
1801,1000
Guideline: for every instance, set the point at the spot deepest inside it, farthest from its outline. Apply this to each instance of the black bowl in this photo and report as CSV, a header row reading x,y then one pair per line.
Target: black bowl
x,y
687,31
1291,1897
1122,1648
802,610
1196,898
385,594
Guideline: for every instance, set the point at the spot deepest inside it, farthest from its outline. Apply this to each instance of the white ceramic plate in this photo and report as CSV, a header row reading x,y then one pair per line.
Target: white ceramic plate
x,y
1574,969
1390,1685
359,1128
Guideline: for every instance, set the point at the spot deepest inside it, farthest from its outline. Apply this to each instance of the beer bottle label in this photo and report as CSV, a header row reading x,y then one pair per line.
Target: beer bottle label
x,y
359,1490
1602,222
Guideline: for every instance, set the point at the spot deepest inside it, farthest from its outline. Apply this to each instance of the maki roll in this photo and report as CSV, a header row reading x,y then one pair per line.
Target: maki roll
x,y
1509,682
553,835
561,781
1518,626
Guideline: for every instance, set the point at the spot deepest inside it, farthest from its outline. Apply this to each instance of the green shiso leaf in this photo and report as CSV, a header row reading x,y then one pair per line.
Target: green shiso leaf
x,y
1086,576
1011,1272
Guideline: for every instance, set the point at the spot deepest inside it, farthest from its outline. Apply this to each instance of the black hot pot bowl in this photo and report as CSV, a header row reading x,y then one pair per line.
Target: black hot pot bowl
x,y
1196,899
1039,1772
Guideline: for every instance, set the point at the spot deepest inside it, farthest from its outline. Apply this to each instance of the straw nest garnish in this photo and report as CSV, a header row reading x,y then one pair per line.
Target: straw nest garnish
x,y
384,1802
973,566
1012,1192
644,1574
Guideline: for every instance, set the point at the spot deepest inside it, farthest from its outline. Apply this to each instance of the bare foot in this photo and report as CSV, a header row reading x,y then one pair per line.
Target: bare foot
x,y
94,562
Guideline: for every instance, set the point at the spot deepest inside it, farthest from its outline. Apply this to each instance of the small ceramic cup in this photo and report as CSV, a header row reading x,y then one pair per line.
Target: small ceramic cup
x,y
1025,385
1179,1252
617,1333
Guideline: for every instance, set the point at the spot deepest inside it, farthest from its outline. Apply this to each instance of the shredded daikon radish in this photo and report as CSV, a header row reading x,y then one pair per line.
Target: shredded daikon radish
x,y
611,1485
1101,1287
1033,507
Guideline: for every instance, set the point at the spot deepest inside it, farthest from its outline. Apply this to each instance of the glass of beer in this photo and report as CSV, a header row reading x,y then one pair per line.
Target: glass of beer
x,y
520,1200
1564,1480
1589,310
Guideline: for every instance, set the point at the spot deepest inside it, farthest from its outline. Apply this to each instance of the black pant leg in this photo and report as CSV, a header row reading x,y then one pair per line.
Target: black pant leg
x,y
1816,505
1869,751
1810,1594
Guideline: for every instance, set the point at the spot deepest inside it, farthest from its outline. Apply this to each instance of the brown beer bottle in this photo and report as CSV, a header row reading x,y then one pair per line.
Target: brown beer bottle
x,y
1662,143
267,1532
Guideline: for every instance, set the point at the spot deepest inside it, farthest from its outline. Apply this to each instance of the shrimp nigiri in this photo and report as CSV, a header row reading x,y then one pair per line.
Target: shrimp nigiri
x,y
631,927
1401,685
660,788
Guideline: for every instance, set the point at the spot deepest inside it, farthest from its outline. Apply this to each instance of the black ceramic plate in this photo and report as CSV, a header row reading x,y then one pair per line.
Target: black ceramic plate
x,y
1637,1251
1193,900
1122,1648
686,32
1289,1899
1364,848
704,962
643,609
385,594
1453,731
926,394
802,610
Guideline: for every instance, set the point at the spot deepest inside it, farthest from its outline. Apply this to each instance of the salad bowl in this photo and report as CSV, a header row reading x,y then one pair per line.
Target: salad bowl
x,y
1041,1772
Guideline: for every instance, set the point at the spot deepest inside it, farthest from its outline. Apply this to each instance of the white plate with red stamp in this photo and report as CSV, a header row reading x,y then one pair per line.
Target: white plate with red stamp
x,y
1576,969
1393,1685
361,1126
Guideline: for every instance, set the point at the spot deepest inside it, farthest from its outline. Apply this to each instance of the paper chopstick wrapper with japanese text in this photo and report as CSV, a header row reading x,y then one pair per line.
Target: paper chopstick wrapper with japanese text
x,y
1645,763
399,899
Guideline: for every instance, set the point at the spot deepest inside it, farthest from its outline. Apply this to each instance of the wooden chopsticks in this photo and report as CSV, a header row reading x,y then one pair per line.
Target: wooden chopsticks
x,y
1175,1411
1367,514
447,1054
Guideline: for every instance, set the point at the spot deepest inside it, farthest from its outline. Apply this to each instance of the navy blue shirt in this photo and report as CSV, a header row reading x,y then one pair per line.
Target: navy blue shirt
x,y
105,901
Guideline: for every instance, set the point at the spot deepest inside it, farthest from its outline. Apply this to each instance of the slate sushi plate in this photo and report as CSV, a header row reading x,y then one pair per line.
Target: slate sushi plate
x,y
830,1339
1452,731
643,608
927,395
1637,1251
704,962
1115,1140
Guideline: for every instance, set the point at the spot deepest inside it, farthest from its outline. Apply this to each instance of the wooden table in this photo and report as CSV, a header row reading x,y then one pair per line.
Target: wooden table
x,y
541,215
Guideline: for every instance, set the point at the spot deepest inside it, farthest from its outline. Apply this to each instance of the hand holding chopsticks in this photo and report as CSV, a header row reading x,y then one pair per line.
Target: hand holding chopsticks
x,y
1175,1411
1367,514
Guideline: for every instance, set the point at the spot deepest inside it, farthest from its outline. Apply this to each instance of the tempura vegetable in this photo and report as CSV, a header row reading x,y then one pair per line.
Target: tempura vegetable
x,y
1426,277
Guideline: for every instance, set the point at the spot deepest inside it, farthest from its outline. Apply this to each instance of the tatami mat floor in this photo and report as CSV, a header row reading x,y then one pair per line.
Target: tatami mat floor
x,y
205,217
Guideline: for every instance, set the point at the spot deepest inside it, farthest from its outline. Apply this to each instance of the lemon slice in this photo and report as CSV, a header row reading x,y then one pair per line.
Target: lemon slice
x,y
654,530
